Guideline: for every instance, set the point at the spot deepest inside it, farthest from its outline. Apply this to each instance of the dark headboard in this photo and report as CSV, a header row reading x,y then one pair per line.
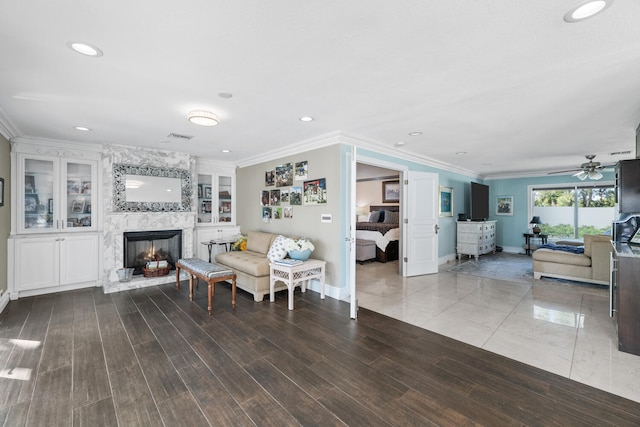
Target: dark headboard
x,y
390,208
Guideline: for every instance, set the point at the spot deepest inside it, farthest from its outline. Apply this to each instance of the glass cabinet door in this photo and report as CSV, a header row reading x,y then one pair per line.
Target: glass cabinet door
x,y
79,185
39,199
205,191
225,193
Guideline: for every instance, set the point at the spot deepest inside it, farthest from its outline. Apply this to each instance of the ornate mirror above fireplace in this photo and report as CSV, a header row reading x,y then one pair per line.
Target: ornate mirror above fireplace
x,y
151,189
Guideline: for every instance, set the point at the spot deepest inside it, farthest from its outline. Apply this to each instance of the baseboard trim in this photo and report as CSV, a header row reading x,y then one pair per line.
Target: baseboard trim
x,y
4,301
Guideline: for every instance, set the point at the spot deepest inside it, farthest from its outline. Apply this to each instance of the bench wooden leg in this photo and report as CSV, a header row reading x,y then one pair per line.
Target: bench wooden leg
x,y
190,287
177,277
210,292
233,292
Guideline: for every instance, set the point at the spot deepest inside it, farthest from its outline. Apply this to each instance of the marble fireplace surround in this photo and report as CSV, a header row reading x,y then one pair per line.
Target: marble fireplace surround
x,y
117,223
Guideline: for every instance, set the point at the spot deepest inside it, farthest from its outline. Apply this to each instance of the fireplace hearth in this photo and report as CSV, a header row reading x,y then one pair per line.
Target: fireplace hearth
x,y
141,247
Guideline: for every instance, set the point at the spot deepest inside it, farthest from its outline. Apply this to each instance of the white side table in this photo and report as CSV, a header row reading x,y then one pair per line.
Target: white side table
x,y
296,275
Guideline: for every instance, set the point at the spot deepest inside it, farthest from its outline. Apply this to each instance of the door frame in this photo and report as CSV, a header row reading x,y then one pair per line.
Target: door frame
x,y
402,169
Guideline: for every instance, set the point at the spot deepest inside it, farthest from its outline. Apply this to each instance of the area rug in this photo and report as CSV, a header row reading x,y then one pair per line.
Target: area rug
x,y
500,266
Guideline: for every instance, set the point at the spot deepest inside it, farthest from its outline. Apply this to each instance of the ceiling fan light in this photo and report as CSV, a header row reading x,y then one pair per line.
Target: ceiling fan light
x,y
582,175
595,175
203,118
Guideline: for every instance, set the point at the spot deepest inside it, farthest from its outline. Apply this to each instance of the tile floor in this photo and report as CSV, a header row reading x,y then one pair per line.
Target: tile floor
x,y
561,328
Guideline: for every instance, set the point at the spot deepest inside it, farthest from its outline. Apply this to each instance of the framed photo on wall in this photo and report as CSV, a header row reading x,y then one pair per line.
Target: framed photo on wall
x,y
445,201
504,205
390,191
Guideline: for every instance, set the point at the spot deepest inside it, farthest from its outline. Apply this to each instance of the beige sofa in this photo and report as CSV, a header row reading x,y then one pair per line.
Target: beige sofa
x,y
252,266
591,267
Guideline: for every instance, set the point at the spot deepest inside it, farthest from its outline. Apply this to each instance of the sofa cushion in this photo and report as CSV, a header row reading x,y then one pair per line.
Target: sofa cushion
x,y
249,262
590,238
260,242
278,249
561,257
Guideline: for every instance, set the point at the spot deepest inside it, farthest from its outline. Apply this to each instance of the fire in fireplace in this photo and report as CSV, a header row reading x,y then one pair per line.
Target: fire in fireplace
x,y
141,247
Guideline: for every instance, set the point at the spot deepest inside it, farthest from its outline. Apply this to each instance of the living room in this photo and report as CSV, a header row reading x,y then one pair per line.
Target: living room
x,y
502,98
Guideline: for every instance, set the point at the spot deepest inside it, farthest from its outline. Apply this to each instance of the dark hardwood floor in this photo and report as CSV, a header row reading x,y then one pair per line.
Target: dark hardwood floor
x,y
151,357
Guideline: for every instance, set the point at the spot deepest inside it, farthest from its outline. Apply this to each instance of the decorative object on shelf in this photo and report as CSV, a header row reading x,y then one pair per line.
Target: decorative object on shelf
x,y
31,203
299,249
391,191
445,201
73,186
504,205
125,274
77,206
29,184
535,221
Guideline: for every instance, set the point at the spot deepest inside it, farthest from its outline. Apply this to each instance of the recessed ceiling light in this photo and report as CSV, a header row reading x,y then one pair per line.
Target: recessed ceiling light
x,y
586,10
306,119
226,151
82,128
225,95
203,118
415,133
399,143
85,48
461,152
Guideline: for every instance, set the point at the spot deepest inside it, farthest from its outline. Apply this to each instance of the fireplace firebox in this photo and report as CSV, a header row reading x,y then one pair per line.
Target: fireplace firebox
x,y
141,247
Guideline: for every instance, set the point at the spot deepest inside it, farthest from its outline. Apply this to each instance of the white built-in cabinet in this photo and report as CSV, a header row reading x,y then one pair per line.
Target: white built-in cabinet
x,y
216,206
54,241
48,261
475,238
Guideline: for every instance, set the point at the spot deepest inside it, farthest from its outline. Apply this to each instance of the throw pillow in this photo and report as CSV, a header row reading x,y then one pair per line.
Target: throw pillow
x,y
374,216
391,217
381,219
278,249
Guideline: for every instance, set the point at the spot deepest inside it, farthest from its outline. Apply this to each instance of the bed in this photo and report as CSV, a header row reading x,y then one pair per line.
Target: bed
x,y
385,234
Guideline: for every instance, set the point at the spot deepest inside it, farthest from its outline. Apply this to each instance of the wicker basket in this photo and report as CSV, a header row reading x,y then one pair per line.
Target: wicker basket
x,y
156,272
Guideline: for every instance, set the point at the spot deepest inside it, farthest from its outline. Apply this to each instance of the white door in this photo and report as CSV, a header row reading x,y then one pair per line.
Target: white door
x,y
420,231
351,238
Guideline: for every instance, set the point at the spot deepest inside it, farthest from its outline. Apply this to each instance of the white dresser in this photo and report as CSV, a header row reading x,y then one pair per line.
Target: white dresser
x,y
476,238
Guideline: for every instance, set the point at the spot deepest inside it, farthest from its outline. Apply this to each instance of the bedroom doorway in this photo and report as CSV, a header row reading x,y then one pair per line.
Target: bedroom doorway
x,y
420,247
378,211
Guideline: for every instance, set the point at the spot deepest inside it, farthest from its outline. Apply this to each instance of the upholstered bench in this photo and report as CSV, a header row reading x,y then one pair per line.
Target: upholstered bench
x,y
365,250
210,273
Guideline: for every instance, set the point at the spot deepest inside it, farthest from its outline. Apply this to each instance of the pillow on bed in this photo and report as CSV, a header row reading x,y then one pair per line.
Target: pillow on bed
x,y
391,217
374,216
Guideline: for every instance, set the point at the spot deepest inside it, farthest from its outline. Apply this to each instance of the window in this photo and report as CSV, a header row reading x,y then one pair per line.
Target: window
x,y
570,212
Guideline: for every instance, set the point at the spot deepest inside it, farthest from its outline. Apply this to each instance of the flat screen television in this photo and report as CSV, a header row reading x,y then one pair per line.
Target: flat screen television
x,y
479,202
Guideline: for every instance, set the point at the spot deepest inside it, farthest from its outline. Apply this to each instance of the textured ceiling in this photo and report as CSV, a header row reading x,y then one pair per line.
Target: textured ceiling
x,y
508,82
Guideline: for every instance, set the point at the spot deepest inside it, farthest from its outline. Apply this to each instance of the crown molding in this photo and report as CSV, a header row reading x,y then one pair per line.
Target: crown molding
x,y
7,129
407,155
300,147
339,137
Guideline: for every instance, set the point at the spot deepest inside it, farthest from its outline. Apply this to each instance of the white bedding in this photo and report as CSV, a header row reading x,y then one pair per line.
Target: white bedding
x,y
381,240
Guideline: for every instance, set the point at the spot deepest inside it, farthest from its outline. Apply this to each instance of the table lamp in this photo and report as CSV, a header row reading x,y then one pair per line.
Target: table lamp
x,y
535,221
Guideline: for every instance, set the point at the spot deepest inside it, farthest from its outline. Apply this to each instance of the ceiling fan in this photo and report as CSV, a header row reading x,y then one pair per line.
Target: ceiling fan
x,y
586,170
